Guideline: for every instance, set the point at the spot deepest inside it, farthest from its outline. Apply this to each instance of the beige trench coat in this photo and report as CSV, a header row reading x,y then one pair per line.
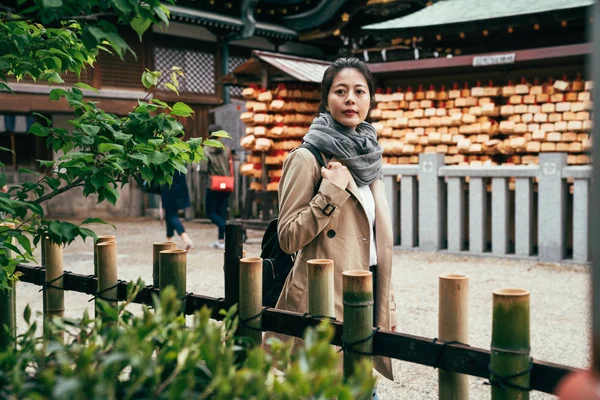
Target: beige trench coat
x,y
343,236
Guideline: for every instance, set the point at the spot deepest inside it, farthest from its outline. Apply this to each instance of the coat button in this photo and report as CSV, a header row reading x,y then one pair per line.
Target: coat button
x,y
331,233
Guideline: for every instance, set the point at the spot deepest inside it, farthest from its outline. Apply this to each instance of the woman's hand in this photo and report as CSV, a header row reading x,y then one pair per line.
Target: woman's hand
x,y
337,174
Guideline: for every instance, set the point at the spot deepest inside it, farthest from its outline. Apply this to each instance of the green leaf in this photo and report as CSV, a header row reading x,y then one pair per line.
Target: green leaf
x,y
51,77
174,79
149,79
141,157
38,130
111,195
28,171
24,242
48,121
96,221
173,88
6,149
52,182
122,5
156,142
2,180
84,232
182,110
221,134
107,147
160,103
4,86
86,86
52,3
57,63
56,94
90,129
122,136
27,314
140,25
162,13
158,157
213,143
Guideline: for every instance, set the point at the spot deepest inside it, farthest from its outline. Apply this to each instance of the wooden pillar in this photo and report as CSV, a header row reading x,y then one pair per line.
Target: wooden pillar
x,y
321,291
107,273
156,249
358,317
55,296
453,325
251,298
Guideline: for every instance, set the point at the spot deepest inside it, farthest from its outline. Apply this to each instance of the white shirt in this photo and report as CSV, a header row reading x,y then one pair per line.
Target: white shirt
x,y
369,205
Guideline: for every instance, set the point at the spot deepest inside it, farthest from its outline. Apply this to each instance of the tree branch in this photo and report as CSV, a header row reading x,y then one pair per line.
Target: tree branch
x,y
74,184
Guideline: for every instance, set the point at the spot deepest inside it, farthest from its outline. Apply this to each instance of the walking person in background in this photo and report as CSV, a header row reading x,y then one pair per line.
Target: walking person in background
x,y
174,198
218,165
339,212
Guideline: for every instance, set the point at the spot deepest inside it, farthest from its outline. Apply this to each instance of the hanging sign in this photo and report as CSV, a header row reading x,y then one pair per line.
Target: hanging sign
x,y
498,59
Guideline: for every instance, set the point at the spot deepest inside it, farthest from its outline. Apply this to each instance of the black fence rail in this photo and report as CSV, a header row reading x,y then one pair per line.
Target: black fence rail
x,y
434,353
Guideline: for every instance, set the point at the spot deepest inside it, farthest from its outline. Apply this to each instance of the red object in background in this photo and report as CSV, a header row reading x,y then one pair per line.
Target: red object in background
x,y
579,385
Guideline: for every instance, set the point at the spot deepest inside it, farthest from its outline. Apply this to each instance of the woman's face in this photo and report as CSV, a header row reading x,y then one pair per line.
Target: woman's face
x,y
349,99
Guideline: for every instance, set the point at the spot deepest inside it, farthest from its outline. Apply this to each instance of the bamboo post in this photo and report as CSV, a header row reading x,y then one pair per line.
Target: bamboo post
x,y
107,273
8,310
321,291
55,296
172,270
250,301
100,239
156,249
358,317
510,343
453,325
234,246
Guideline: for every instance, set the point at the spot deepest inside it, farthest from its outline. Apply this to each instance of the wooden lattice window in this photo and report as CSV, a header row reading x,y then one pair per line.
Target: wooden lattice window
x,y
198,66
234,62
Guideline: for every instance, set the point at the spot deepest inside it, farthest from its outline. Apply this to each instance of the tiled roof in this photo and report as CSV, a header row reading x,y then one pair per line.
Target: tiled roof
x,y
457,11
303,69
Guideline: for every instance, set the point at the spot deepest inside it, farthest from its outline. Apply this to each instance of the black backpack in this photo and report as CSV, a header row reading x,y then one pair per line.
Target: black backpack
x,y
277,264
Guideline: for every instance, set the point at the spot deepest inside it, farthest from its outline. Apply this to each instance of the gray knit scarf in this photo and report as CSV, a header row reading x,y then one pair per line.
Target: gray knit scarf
x,y
356,149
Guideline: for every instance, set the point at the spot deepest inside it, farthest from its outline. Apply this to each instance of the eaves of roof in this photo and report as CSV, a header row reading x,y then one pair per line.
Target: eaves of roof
x,y
208,19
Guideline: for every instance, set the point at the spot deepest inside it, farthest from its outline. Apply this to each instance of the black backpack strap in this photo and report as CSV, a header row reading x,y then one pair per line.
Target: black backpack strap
x,y
315,152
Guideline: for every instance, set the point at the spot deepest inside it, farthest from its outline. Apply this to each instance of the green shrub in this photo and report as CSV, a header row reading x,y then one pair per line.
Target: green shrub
x,y
154,355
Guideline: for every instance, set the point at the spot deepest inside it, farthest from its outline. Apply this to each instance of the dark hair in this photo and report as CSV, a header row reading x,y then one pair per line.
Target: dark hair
x,y
335,68
213,128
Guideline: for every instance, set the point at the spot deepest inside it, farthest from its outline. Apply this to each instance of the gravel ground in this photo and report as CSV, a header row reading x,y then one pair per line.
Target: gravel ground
x,y
560,316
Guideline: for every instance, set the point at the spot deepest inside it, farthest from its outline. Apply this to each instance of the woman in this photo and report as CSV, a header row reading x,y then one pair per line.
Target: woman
x,y
217,164
348,220
174,198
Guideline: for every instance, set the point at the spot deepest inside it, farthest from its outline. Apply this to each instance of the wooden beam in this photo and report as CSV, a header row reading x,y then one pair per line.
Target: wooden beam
x,y
467,61
23,103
